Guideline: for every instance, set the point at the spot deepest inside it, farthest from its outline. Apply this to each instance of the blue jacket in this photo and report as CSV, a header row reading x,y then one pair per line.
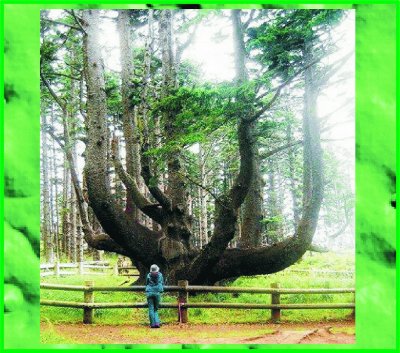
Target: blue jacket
x,y
154,282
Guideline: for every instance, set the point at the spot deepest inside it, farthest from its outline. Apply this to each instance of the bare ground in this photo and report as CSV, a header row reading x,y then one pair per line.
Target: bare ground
x,y
285,333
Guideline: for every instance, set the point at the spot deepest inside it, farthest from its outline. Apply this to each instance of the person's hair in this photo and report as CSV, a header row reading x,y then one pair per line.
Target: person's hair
x,y
154,268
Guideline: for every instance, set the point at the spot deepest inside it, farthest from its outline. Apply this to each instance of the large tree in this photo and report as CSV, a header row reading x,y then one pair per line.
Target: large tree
x,y
172,247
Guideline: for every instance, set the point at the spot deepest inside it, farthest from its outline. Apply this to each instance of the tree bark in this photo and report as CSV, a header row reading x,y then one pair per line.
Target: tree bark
x,y
252,213
274,225
292,175
56,195
203,197
252,206
46,227
73,231
65,209
130,125
176,187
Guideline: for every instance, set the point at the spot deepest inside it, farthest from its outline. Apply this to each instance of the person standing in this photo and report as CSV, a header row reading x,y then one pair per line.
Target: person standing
x,y
154,288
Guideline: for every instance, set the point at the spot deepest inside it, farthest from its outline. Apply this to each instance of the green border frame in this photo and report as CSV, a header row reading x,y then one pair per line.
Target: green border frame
x,y
375,137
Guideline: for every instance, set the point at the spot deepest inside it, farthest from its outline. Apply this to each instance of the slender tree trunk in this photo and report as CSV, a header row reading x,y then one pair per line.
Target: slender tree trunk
x,y
203,197
65,210
56,195
50,172
292,176
46,217
274,225
73,232
80,242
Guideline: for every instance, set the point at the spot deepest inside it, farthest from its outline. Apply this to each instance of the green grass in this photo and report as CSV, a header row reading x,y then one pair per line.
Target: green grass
x,y
347,330
217,316
49,336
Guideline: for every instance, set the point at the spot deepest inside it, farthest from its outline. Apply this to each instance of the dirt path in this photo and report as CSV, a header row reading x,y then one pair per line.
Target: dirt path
x,y
332,332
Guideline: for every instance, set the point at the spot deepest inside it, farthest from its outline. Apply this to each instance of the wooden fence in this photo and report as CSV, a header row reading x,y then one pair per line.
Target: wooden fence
x,y
84,268
182,291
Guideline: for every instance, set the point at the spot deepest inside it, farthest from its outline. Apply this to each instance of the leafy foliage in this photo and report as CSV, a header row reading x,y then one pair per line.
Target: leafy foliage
x,y
279,43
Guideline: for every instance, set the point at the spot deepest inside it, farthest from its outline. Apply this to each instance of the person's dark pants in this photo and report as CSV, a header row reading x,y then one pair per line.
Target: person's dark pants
x,y
153,300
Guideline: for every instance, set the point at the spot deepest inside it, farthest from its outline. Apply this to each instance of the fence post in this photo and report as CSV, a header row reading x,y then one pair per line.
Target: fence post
x,y
116,270
88,297
57,269
275,299
80,268
183,297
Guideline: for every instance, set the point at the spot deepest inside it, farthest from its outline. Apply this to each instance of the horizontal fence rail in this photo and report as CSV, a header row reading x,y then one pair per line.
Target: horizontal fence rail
x,y
183,289
198,305
196,289
57,268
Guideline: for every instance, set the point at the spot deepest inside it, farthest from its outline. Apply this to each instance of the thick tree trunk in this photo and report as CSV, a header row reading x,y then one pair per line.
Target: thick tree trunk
x,y
176,187
252,206
252,213
130,125
139,242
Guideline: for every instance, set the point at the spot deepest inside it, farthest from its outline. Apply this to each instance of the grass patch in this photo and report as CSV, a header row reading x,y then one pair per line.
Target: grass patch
x,y
49,336
286,279
351,330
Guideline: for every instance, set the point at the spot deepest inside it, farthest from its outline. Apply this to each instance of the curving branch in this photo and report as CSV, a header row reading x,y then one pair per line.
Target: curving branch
x,y
280,149
146,174
102,241
278,90
262,260
227,206
215,262
138,240
78,21
148,178
200,185
96,240
58,100
50,131
152,210
62,75
62,24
